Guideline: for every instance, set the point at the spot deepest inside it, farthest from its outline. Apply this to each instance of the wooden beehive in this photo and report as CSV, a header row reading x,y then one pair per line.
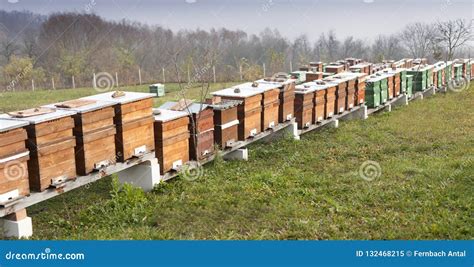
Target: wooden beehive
x,y
51,144
226,122
94,130
286,96
249,112
171,139
304,105
390,86
319,105
359,98
201,128
13,161
334,68
133,120
340,105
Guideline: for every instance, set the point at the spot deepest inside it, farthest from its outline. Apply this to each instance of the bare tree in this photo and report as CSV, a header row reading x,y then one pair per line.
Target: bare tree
x,y
418,39
453,34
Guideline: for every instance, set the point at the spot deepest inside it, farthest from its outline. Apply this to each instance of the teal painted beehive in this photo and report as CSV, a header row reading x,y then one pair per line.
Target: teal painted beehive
x,y
409,81
157,89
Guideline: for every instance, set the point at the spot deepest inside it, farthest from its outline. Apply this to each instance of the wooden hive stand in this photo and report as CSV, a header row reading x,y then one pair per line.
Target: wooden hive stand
x,y
133,120
14,156
51,144
94,130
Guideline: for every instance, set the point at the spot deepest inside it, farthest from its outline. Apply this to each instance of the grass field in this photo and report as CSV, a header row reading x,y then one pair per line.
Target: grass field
x,y
10,101
308,189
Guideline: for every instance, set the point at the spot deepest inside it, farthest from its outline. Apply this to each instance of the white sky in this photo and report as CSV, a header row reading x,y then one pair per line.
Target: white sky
x,y
360,18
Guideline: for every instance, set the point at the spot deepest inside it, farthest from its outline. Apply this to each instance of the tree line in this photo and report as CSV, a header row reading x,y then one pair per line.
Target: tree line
x,y
68,48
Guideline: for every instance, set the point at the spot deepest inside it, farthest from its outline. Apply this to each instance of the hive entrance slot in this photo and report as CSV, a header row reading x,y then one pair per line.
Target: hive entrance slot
x,y
59,182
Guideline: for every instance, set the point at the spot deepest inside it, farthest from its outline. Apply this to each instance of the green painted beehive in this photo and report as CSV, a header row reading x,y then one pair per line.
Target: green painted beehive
x,y
383,90
158,89
419,78
372,92
409,81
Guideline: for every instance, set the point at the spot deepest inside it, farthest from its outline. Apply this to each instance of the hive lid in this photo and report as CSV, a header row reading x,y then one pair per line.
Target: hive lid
x,y
237,91
81,105
7,125
193,108
226,104
127,97
165,115
42,117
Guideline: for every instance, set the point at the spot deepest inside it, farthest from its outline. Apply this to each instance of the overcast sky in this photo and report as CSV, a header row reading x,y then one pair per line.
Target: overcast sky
x,y
361,18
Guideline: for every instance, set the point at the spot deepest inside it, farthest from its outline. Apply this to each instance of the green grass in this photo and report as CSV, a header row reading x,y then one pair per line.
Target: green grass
x,y
308,189
10,101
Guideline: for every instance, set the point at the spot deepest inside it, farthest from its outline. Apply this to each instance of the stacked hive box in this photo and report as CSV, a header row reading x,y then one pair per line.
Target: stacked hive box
x,y
472,68
420,76
334,69
319,66
226,122
51,144
403,80
249,112
359,94
457,71
13,161
94,130
390,84
429,76
299,76
384,89
448,72
270,102
304,105
133,120
409,86
324,106
286,96
201,127
171,139
341,94
372,91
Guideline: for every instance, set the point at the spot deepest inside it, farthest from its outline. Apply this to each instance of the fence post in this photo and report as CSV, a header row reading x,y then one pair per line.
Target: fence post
x,y
93,81
140,76
264,70
291,66
214,73
164,78
189,76
116,80
240,71
73,82
33,84
52,82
